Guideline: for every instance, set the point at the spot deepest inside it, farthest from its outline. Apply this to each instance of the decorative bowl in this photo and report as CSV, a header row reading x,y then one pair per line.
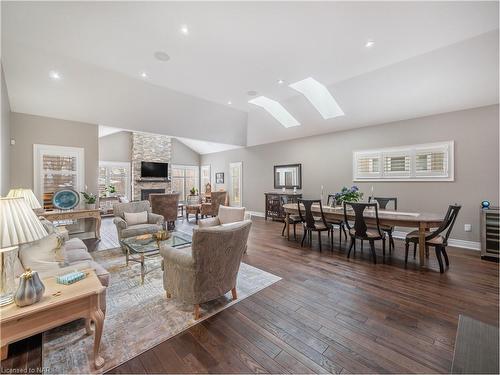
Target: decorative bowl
x,y
66,199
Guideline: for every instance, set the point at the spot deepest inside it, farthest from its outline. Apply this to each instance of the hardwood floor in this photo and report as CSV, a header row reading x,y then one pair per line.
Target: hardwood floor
x,y
327,314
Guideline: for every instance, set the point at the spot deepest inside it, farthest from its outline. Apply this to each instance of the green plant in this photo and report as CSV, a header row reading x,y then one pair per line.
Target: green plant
x,y
193,191
90,198
111,189
351,194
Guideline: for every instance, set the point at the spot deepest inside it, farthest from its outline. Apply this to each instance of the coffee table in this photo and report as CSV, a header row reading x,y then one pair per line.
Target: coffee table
x,y
139,248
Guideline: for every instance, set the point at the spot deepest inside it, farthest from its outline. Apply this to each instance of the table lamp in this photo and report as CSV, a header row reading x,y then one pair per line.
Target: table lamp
x,y
28,195
18,225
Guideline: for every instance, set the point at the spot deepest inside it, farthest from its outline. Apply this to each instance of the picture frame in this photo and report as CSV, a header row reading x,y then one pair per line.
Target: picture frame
x,y
219,178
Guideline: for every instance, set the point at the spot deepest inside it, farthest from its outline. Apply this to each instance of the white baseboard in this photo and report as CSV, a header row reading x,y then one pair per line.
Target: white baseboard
x,y
472,245
256,213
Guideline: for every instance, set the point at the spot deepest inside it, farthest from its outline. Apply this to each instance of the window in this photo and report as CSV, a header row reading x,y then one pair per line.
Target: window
x,y
116,174
235,181
205,177
433,161
56,167
184,177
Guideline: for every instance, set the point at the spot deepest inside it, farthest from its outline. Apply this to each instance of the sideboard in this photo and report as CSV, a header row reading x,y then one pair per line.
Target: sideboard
x,y
275,201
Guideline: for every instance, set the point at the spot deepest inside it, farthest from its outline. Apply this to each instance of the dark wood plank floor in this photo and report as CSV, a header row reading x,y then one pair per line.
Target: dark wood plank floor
x,y
328,314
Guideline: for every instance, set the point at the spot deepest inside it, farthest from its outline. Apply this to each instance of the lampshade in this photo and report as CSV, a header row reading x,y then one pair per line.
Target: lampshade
x,y
18,223
26,194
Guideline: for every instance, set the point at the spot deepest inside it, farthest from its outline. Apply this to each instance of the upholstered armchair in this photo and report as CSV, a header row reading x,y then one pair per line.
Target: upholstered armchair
x,y
209,268
226,215
212,208
166,205
152,223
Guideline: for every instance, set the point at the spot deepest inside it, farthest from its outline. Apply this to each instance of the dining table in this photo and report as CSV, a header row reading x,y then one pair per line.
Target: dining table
x,y
420,220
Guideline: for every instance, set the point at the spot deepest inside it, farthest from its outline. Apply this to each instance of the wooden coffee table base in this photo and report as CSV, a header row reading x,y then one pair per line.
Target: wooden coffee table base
x,y
79,300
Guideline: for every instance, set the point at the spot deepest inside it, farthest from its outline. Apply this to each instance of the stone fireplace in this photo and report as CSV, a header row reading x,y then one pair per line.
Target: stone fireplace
x,y
155,148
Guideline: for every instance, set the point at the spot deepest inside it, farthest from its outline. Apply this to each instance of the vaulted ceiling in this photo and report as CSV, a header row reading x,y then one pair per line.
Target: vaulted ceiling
x,y
427,57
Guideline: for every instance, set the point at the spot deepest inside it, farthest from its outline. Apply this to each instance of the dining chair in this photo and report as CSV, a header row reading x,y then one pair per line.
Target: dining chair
x,y
340,223
292,219
312,224
436,239
360,230
382,204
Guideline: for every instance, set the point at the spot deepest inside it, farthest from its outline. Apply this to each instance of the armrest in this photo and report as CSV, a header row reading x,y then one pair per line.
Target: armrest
x,y
209,222
181,257
155,219
119,222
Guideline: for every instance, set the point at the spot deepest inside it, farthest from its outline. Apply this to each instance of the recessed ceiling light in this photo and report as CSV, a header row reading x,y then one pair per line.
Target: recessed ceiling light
x,y
276,110
162,56
251,93
144,75
54,75
319,96
280,81
184,29
369,43
229,102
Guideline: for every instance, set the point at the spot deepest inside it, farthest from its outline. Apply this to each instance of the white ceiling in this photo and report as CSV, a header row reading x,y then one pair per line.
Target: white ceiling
x,y
101,48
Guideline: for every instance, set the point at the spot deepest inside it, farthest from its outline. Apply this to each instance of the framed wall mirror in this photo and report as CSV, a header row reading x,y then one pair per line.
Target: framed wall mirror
x,y
288,176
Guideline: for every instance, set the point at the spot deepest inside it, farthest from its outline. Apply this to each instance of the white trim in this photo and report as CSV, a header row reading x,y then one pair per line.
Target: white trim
x,y
472,245
256,213
239,165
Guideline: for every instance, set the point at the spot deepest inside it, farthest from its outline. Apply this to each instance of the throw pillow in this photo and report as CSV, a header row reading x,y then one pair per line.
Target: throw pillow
x,y
231,214
134,218
45,255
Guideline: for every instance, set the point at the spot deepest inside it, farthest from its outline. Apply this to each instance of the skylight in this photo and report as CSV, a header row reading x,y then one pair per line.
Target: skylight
x,y
276,110
319,96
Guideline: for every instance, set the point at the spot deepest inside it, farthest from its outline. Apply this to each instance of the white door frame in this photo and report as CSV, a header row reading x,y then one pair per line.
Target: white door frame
x,y
239,165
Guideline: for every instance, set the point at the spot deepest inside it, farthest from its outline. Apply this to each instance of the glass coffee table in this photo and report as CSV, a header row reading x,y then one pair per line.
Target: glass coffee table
x,y
138,248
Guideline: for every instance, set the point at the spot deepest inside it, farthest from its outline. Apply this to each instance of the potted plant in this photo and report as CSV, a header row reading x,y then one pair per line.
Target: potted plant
x,y
110,190
351,194
90,199
193,191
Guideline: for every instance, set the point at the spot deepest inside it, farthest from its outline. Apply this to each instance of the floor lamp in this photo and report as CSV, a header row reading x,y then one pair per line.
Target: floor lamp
x,y
18,225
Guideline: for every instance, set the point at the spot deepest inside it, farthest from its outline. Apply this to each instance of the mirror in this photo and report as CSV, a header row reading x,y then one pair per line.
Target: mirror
x,y
288,176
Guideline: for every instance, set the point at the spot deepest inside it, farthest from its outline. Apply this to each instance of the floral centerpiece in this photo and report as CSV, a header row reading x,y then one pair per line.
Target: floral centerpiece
x,y
351,194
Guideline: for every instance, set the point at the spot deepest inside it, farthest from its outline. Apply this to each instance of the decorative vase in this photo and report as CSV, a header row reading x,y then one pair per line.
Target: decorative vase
x,y
90,206
30,289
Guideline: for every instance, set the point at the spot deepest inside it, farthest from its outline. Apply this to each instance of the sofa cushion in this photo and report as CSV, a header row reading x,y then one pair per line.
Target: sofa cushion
x,y
135,218
75,243
228,214
137,230
47,254
76,255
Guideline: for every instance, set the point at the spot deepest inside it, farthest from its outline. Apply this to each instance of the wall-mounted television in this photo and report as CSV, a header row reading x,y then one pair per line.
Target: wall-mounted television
x,y
152,169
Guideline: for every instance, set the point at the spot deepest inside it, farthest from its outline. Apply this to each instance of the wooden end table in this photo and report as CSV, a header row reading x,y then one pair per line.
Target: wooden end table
x,y
60,304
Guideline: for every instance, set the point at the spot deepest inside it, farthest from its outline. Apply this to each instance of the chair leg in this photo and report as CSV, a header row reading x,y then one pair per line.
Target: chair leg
x,y
372,248
354,239
303,238
310,238
407,245
295,231
414,250
319,240
283,230
362,245
445,255
340,235
234,294
392,246
440,261
383,247
343,230
331,240
350,247
427,251
196,312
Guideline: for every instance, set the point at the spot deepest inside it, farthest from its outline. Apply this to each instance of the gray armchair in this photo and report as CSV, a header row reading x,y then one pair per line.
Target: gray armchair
x,y
208,269
154,224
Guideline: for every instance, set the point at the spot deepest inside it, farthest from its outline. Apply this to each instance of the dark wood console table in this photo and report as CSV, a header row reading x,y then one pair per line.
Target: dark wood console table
x,y
274,204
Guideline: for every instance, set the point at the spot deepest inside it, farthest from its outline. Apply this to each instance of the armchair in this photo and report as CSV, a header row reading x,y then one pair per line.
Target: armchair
x,y
216,199
154,222
166,205
209,268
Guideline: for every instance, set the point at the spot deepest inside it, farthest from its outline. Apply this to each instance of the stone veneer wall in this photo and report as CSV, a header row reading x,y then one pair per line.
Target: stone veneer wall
x,y
149,147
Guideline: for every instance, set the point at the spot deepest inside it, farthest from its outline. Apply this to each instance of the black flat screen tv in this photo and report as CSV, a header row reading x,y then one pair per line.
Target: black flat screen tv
x,y
154,170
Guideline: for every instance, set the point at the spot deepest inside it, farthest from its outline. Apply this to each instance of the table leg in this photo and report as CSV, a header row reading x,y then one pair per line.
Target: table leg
x,y
421,244
5,352
142,269
98,227
88,327
98,319
127,255
287,223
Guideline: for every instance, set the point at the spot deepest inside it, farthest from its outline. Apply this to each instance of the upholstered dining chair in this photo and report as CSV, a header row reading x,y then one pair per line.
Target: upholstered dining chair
x,y
330,201
208,269
126,228
360,229
166,205
292,219
437,239
212,208
382,204
311,224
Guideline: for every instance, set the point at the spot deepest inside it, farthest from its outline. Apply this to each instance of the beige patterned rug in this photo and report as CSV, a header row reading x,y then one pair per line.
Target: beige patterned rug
x,y
138,317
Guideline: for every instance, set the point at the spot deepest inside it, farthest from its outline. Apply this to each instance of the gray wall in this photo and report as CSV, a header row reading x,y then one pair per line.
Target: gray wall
x,y
4,140
327,160
28,130
182,154
116,147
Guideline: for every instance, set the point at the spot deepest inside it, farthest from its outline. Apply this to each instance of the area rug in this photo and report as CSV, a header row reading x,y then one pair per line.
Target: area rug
x,y
138,317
